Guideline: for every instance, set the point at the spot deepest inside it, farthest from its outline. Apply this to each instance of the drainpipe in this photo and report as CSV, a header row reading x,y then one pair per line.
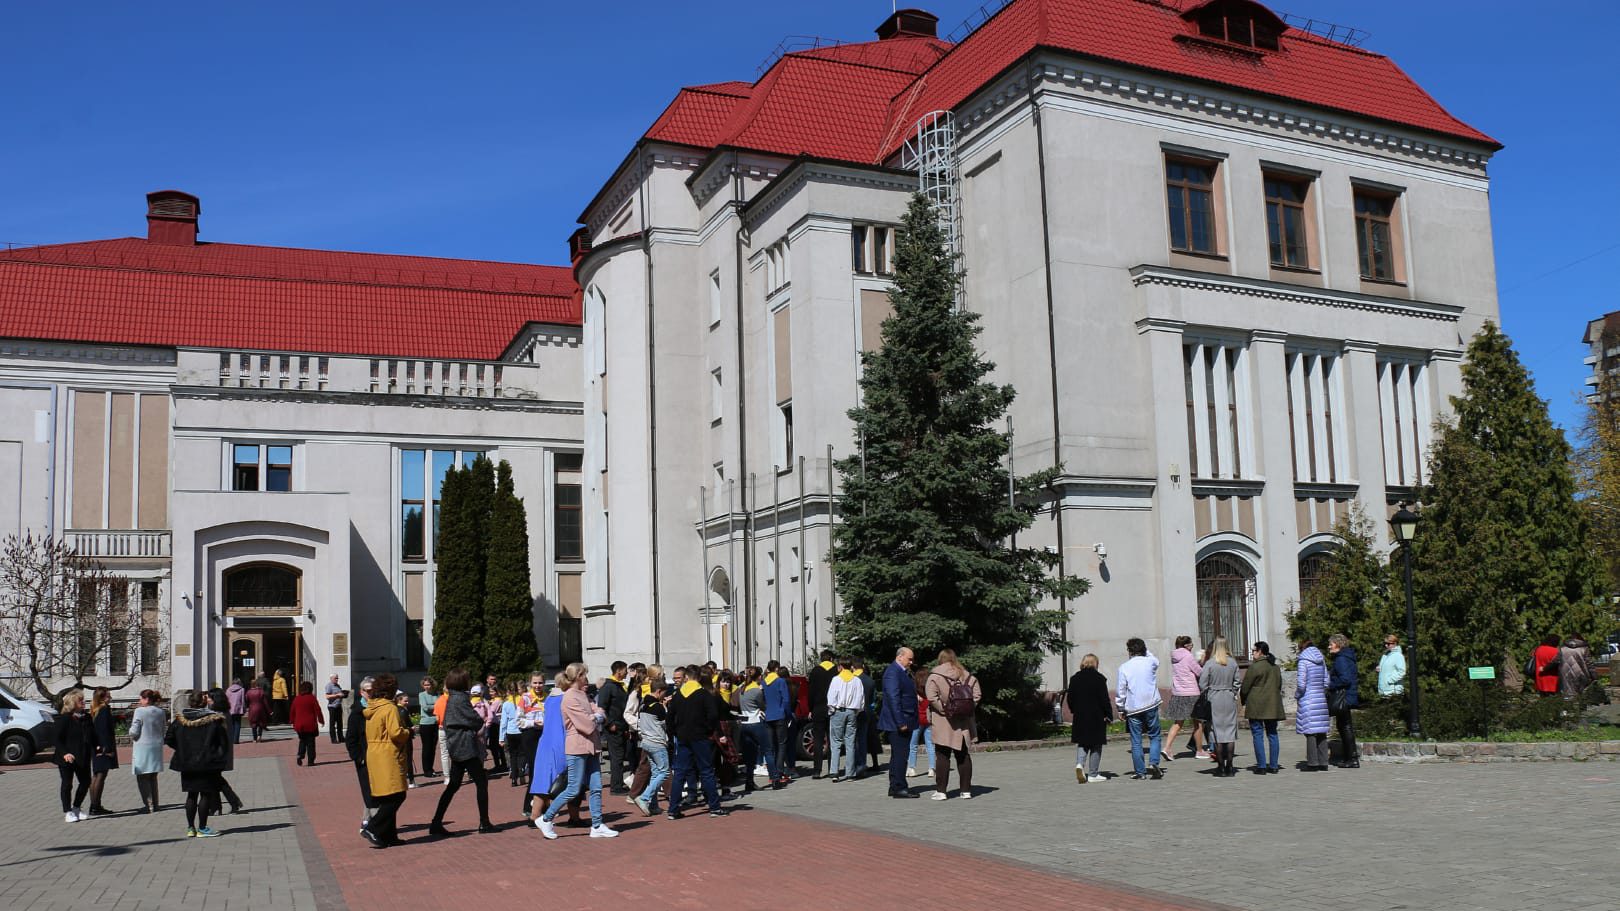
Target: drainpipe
x,y
703,552
832,571
1051,351
776,564
804,581
742,421
731,561
652,423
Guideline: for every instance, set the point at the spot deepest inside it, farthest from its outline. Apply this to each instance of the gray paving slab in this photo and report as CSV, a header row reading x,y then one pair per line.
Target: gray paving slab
x,y
1385,836
137,861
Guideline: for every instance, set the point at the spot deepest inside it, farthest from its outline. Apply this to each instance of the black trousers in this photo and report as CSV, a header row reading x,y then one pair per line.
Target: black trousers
x,y
384,823
818,742
474,769
334,723
365,785
306,746
1348,751
430,746
77,770
618,745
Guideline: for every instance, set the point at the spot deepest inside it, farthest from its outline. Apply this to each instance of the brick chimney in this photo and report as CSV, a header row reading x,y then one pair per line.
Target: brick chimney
x,y
909,23
171,218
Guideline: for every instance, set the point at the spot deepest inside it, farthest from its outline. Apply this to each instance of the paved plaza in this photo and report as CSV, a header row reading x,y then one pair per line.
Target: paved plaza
x,y
1452,836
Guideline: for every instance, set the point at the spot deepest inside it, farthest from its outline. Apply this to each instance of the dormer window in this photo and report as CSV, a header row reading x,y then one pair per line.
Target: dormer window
x,y
1241,22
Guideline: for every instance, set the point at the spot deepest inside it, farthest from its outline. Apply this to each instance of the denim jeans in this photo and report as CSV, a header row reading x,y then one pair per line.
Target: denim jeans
x,y
236,729
1265,735
758,745
922,738
1144,724
695,757
782,743
843,741
583,772
658,758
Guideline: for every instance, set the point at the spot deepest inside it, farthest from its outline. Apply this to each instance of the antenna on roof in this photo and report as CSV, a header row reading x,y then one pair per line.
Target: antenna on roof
x,y
932,153
1340,34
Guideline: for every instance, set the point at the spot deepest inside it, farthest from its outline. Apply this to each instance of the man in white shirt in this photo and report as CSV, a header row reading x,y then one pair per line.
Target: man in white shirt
x,y
1138,700
1392,668
846,696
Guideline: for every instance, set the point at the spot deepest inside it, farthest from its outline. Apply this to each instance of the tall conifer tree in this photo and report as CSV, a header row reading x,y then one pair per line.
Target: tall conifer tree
x,y
1354,596
458,585
1501,557
922,550
509,647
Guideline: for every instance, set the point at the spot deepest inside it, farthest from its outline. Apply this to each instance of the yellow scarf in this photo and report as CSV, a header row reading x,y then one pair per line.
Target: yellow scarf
x,y
690,687
725,693
770,678
846,676
646,689
859,671
751,686
826,665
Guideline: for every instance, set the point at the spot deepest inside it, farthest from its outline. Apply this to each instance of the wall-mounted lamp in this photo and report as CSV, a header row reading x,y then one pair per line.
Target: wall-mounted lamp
x,y
309,615
1101,550
1175,471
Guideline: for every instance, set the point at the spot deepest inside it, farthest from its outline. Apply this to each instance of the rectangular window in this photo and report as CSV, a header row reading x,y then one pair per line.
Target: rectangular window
x,y
1219,440
412,534
1316,438
1191,193
245,468
256,466
278,468
786,409
1403,401
117,632
716,306
567,515
719,479
880,251
857,249
415,639
1285,222
442,462
871,249
716,396
151,639
1375,239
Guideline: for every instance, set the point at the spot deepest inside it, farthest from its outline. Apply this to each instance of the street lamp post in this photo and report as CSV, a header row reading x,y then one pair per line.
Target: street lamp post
x,y
1405,523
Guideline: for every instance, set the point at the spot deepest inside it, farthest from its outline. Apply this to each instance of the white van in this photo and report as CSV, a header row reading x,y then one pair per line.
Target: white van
x,y
26,727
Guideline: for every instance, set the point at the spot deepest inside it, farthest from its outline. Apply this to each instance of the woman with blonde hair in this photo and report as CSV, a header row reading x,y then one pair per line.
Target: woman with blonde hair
x,y
953,698
1219,681
104,756
75,741
582,724
1092,710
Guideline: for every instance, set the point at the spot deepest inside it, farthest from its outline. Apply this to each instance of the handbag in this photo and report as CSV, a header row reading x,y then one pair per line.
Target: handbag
x,y
1201,710
1338,701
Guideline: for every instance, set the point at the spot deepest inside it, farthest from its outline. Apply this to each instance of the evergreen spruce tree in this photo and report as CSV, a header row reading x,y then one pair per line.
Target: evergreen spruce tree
x,y
509,647
922,551
458,586
1501,557
1355,597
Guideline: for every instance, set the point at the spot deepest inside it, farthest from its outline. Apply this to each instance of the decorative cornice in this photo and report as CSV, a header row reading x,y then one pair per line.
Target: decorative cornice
x,y
1359,346
1156,324
309,396
801,172
1449,355
88,351
1268,336
1214,103
1254,287
1227,487
1306,490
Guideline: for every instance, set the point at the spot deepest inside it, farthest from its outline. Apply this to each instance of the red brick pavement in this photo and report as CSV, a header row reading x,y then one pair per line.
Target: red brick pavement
x,y
693,863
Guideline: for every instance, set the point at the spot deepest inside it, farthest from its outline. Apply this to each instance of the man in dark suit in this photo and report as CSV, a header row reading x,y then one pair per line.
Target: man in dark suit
x,y
821,677
897,714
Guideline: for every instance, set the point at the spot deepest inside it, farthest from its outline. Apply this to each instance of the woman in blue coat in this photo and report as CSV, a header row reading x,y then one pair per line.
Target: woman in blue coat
x,y
1311,693
1342,678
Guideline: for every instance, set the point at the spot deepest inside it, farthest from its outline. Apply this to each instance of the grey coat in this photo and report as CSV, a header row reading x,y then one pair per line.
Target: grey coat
x,y
146,739
1220,683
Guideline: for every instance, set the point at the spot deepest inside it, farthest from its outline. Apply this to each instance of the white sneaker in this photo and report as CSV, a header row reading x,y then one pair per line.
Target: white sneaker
x,y
966,795
1095,778
912,773
546,828
1080,773
603,831
939,795
761,770
70,816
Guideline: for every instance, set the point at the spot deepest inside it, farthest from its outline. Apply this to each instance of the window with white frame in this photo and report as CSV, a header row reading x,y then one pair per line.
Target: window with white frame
x,y
261,466
421,480
1219,429
1315,420
1403,405
778,267
872,249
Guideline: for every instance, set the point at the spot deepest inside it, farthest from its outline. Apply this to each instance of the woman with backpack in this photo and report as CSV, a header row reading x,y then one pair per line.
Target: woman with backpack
x,y
1544,665
953,698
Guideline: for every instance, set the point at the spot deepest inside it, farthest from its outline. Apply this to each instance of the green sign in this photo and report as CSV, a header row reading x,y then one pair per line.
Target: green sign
x,y
1482,673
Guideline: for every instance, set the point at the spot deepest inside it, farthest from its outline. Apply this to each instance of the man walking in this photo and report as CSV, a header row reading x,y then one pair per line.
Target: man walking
x,y
1138,700
334,708
1392,668
611,698
845,696
821,678
898,715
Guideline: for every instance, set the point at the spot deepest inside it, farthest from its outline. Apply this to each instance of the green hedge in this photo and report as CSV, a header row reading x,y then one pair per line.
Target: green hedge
x,y
1458,710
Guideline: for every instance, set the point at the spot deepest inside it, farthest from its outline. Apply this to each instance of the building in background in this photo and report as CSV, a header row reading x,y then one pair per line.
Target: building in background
x,y
1230,266
1602,340
252,438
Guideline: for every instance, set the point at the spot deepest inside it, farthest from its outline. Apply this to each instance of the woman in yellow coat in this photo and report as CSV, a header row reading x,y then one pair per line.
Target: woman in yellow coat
x,y
387,740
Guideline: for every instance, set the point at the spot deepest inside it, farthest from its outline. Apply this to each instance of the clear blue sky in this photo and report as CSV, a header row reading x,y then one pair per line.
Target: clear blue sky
x,y
481,129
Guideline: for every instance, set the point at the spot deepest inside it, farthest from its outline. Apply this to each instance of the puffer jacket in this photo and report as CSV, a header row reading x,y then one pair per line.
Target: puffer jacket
x,y
1343,675
200,741
1311,692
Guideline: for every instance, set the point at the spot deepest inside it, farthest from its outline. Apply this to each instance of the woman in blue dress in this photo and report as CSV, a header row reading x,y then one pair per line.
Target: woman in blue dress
x,y
550,768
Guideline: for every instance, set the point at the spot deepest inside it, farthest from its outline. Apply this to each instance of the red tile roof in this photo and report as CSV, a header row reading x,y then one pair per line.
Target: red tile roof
x,y
133,292
813,103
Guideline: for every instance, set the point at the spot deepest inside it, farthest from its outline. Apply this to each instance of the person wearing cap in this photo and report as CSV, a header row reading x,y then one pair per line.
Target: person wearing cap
x,y
355,742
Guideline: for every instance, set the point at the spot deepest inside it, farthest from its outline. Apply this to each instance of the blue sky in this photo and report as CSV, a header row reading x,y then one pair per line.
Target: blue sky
x,y
481,129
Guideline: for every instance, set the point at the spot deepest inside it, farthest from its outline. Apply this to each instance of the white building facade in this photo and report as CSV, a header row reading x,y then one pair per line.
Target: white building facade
x,y
273,500
1230,312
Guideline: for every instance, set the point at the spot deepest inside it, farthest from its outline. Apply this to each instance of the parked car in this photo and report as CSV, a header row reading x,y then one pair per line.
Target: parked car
x,y
25,727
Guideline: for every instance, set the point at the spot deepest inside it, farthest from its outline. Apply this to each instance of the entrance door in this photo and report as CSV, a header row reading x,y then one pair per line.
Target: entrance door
x,y
281,654
246,651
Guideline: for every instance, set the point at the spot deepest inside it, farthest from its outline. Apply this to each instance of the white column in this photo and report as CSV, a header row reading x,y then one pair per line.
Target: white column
x,y
1406,401
1225,447
1302,444
1360,405
1173,501
1276,528
1204,465
1319,435
1388,424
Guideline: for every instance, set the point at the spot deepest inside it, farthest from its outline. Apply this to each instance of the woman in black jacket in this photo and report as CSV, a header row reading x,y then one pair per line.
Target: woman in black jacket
x,y
463,728
75,742
104,751
201,740
1091,710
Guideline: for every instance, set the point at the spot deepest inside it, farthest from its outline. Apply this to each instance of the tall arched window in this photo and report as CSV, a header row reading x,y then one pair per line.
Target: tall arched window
x,y
1225,585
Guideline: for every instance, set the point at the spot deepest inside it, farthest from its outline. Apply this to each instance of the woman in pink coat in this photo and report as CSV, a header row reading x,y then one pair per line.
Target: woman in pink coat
x,y
582,723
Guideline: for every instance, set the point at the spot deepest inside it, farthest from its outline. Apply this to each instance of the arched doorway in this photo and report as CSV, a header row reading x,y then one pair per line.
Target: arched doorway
x,y
263,603
1226,588
717,617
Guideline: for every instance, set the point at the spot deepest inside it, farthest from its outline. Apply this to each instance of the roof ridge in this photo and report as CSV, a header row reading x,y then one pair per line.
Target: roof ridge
x,y
808,55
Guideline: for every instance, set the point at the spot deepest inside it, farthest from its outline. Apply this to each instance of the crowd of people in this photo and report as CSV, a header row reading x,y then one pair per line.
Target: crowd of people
x,y
687,739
